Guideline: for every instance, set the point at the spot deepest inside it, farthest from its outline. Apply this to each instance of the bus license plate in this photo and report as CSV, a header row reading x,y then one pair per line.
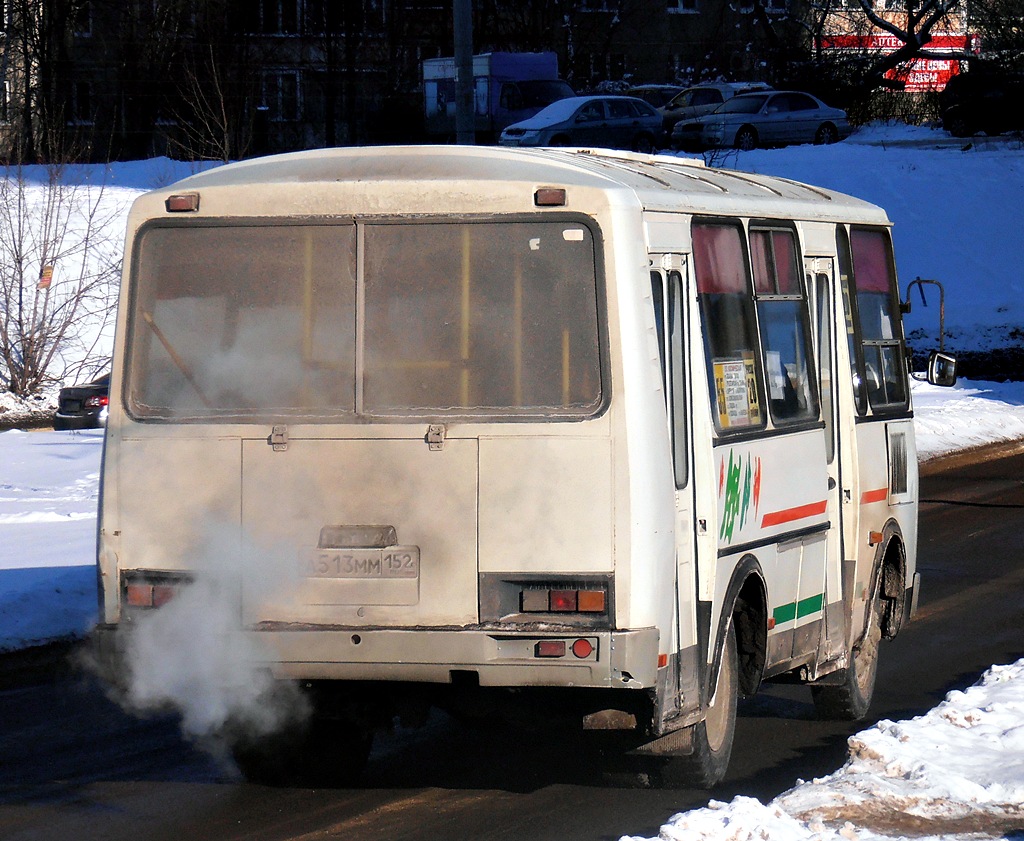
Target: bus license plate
x,y
393,562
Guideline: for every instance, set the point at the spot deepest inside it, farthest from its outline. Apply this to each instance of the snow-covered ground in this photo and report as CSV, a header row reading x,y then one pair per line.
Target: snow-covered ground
x,y
957,772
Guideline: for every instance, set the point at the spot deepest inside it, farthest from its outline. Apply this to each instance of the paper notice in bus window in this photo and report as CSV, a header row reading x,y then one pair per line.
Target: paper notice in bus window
x,y
776,375
736,390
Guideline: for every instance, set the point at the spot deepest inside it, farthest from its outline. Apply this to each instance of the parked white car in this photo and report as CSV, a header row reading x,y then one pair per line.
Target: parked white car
x,y
772,118
611,122
698,100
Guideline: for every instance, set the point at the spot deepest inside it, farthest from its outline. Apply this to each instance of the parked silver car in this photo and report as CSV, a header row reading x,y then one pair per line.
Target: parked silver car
x,y
613,122
773,118
698,100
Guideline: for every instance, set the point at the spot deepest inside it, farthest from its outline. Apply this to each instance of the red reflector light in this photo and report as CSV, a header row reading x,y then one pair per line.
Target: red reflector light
x,y
139,595
183,203
162,593
590,601
563,601
582,648
549,197
96,402
549,648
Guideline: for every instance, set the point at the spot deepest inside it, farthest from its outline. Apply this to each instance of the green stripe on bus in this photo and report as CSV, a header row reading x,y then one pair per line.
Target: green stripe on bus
x,y
812,604
794,610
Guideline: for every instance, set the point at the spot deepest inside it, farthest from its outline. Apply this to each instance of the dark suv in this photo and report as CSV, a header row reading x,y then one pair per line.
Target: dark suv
x,y
991,101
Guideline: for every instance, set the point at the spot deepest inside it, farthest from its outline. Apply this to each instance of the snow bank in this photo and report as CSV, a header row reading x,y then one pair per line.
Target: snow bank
x,y
955,772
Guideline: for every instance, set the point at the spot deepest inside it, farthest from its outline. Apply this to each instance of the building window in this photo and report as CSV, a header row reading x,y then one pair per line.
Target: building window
x,y
5,102
81,103
83,21
273,17
281,93
682,6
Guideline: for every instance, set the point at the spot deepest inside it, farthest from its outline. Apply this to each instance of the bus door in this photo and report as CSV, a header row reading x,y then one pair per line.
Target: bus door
x,y
668,288
821,282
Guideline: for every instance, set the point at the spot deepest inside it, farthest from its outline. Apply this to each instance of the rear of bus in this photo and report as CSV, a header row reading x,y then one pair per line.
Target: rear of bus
x,y
382,435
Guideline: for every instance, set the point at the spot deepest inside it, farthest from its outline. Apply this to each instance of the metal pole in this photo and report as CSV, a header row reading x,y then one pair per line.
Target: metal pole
x,y
465,131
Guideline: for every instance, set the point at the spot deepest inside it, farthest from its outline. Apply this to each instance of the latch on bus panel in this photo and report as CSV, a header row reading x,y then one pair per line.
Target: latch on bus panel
x,y
435,436
279,439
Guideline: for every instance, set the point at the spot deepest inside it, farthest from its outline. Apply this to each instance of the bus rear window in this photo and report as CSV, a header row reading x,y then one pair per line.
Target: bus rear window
x,y
270,321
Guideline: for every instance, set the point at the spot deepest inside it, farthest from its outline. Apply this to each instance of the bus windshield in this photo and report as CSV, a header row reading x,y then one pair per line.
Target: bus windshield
x,y
264,321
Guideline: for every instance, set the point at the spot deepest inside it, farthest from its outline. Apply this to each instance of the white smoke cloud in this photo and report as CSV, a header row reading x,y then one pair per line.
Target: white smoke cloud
x,y
190,655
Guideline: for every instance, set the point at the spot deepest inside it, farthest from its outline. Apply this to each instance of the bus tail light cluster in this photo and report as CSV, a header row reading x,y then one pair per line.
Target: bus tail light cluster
x,y
544,600
149,595
581,648
148,590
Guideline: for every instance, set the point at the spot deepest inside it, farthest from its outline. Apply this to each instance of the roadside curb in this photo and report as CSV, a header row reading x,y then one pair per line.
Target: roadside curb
x,y
972,455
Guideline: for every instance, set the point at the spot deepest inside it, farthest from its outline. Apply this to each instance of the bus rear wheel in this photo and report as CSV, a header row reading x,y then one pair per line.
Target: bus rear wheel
x,y
850,700
713,737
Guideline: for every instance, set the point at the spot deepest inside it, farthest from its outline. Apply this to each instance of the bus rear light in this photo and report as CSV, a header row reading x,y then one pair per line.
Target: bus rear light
x,y
183,203
162,593
549,648
146,592
149,595
550,197
139,595
535,601
582,648
563,601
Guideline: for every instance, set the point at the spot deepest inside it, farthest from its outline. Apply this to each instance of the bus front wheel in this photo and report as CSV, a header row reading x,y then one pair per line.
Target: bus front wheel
x,y
849,700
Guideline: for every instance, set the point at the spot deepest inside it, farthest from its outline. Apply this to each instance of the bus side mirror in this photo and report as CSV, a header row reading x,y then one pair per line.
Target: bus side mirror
x,y
941,369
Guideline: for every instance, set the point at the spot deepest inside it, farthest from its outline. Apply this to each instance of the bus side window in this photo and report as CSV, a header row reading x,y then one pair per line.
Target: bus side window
x,y
849,303
868,278
667,297
729,325
677,371
658,299
881,336
823,294
783,320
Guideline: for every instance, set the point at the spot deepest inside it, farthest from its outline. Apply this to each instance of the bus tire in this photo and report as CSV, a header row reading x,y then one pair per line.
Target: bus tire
x,y
850,700
713,737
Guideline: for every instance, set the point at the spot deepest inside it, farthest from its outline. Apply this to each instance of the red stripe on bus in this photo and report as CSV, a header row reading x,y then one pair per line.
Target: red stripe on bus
x,y
788,515
880,495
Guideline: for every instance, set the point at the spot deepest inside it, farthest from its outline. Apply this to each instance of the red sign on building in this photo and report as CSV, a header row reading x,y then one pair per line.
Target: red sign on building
x,y
921,74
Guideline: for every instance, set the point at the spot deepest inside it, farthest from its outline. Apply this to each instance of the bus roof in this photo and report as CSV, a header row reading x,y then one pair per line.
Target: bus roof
x,y
658,182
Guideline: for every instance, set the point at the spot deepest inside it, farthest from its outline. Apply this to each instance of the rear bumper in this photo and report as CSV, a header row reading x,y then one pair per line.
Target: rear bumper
x,y
92,420
619,659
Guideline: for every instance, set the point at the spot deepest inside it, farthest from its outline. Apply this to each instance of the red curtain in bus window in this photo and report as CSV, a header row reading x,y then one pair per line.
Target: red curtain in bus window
x,y
718,260
773,260
871,265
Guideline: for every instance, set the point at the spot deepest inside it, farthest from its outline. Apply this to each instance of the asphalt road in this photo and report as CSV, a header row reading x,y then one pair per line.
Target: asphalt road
x,y
73,766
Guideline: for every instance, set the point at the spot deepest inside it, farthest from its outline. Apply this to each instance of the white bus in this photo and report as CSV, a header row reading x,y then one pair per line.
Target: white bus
x,y
609,435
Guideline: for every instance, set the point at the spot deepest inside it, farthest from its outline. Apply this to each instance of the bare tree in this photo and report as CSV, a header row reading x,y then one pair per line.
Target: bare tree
x,y
59,265
910,23
998,24
212,122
